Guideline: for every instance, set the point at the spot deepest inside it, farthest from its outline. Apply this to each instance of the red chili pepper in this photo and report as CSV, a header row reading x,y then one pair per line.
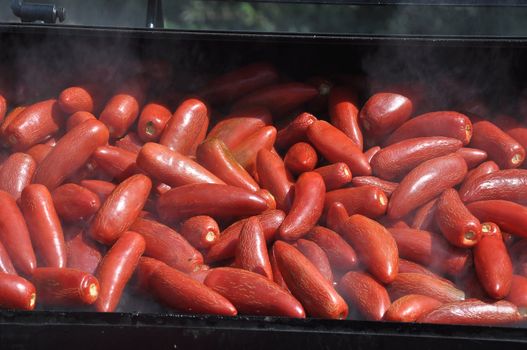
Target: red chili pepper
x,y
294,132
444,123
14,235
300,158
410,308
130,142
455,221
344,113
273,176
369,201
307,207
518,293
484,168
473,312
246,151
218,201
187,127
500,147
336,216
226,246
116,162
102,188
492,262
374,244
16,173
120,112
509,216
39,152
425,182
417,283
340,254
316,294
509,185
6,266
83,253
78,99
116,268
8,120
201,231
75,203
253,294
366,294
424,217
120,209
78,118
396,160
386,186
251,250
64,287
317,256
472,156
44,225
335,175
16,292
370,153
152,121
335,146
218,159
167,245
71,153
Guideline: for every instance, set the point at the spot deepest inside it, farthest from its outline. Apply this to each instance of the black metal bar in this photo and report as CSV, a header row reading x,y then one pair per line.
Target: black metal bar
x,y
33,12
154,14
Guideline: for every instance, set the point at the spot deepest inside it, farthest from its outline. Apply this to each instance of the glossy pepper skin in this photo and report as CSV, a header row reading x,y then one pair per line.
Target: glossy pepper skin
x,y
413,283
201,231
455,221
370,153
251,250
75,203
214,155
83,253
273,176
424,217
366,294
432,250
187,127
335,175
367,200
344,114
472,156
300,158
335,146
492,262
443,123
518,293
116,162
484,168
14,235
410,308
295,131
396,160
425,182
316,294
375,246
473,312
16,292
64,287
384,112
218,201
71,153
8,120
120,209
171,167
152,121
34,124
336,216
246,151
78,118
407,266
77,98
120,112
278,98
238,126
509,185
44,225
16,173
509,216
317,256
180,292
386,186
241,81
6,266
130,142
500,147
167,245
340,254
253,294
116,268
102,188
39,152
307,207
226,246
